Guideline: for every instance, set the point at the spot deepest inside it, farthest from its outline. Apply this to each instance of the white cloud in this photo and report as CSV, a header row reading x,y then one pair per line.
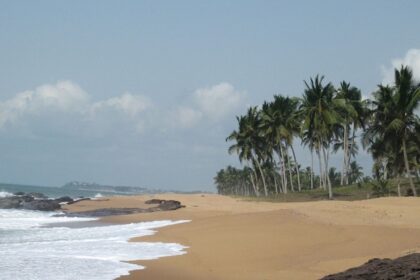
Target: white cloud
x,y
187,117
209,103
411,59
64,96
217,101
66,103
127,103
65,106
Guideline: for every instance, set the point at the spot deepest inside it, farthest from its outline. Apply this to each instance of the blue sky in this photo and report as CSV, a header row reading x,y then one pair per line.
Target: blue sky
x,y
145,92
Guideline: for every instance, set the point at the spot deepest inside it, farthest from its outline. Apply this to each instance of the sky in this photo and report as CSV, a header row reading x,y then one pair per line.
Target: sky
x,y
144,93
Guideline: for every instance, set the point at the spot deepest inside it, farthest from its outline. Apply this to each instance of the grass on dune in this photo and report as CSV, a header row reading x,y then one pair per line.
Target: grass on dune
x,y
353,192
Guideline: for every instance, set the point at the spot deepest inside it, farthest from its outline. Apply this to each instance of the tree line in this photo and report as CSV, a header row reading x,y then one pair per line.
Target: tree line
x,y
326,119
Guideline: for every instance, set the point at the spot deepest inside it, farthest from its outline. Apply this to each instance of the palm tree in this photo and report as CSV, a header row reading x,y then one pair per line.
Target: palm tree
x,y
319,117
280,123
355,172
393,121
250,145
308,140
352,113
407,98
243,147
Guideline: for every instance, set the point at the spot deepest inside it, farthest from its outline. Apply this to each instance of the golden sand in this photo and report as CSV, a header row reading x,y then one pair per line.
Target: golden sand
x,y
230,238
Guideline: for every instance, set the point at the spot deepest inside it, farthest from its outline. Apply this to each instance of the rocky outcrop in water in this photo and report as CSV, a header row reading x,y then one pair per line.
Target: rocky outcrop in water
x,y
36,201
163,205
403,268
32,201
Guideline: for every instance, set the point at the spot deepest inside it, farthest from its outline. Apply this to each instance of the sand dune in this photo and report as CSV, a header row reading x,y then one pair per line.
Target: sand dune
x,y
234,239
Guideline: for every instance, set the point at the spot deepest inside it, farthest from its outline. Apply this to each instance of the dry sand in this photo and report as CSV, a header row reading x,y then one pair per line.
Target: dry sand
x,y
230,238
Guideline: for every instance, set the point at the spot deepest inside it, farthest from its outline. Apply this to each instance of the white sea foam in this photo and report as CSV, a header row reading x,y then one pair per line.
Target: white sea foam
x,y
5,194
29,251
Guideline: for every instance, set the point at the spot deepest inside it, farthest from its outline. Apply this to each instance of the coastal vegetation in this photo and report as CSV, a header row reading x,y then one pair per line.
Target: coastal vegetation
x,y
326,120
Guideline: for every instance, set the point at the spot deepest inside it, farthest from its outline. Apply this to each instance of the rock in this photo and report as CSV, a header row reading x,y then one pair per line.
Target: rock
x,y
78,199
64,199
106,212
41,205
164,205
37,195
168,205
403,268
19,193
10,202
29,202
154,201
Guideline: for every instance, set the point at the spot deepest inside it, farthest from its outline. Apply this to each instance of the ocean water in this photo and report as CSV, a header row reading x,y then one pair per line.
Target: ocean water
x,y
55,192
30,249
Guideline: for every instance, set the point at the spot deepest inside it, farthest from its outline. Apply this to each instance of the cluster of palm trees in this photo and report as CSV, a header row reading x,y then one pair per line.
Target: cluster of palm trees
x,y
326,120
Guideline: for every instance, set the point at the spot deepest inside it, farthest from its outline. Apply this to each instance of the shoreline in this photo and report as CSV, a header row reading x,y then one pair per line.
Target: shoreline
x,y
229,238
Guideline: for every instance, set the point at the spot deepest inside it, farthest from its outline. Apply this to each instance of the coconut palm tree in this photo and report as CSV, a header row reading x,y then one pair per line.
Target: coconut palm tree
x,y
393,121
280,123
244,148
352,113
319,117
407,99
355,172
250,145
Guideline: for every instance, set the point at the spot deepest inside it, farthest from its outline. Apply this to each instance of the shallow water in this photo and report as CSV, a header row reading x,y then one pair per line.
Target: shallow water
x,y
29,250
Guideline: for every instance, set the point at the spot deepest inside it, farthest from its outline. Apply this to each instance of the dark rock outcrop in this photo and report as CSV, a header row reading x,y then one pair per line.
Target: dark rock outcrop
x,y
403,268
78,200
38,195
167,205
10,202
41,205
154,201
64,199
164,205
28,202
19,193
105,212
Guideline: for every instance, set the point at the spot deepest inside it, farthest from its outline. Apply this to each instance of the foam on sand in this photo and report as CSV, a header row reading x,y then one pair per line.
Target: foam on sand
x,y
30,251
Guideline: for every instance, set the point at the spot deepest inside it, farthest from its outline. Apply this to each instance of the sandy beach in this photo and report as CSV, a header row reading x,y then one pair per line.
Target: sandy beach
x,y
230,238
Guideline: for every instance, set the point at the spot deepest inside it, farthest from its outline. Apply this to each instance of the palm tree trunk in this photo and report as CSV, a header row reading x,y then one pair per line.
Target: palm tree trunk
x,y
283,169
321,173
262,177
345,146
385,167
312,169
407,168
330,194
353,142
275,183
280,173
399,185
297,167
255,183
290,169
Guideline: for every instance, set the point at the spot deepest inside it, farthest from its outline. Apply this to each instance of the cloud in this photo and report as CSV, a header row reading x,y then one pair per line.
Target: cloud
x,y
64,96
217,101
411,59
128,104
212,103
65,106
187,117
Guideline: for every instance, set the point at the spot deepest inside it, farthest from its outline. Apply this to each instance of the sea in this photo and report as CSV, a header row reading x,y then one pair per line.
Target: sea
x,y
42,246
55,192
